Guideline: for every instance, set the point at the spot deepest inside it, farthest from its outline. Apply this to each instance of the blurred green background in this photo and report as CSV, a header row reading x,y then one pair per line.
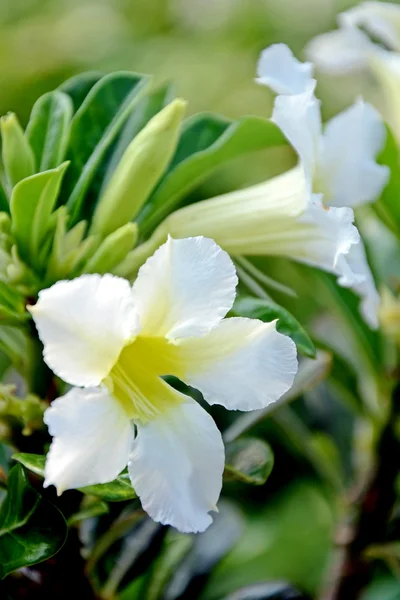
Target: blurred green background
x,y
208,47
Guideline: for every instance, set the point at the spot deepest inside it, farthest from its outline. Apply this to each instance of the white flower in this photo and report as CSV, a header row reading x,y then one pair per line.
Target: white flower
x,y
350,48
117,343
338,162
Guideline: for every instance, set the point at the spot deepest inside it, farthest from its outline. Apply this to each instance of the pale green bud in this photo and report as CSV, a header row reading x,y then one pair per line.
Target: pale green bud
x,y
113,249
18,157
142,165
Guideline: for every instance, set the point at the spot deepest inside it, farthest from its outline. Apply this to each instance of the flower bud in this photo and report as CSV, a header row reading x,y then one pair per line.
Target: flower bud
x,y
139,170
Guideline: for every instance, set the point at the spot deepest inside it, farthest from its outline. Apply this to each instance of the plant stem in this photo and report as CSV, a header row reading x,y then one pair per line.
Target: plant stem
x,y
372,510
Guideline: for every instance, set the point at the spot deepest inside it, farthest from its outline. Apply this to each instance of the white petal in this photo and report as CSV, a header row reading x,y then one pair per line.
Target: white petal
x,y
341,51
347,171
242,364
84,324
299,119
185,288
331,235
380,19
362,282
278,69
92,439
176,467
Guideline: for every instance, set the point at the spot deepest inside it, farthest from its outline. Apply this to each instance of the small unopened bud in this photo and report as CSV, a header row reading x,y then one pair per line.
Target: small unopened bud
x,y
18,158
141,167
113,250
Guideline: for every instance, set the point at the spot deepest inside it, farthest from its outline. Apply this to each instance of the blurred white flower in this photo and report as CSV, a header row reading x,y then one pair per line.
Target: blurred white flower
x,y
117,343
368,38
339,162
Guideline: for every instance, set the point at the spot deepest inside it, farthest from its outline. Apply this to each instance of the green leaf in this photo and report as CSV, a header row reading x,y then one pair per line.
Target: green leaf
x,y
48,129
12,306
90,508
147,106
31,529
94,128
267,310
112,250
32,202
249,460
207,142
116,491
78,86
18,158
388,206
70,249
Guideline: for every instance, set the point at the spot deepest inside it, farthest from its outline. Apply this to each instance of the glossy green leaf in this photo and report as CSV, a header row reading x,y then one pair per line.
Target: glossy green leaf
x,y
267,310
94,128
115,491
48,129
206,143
17,155
388,205
78,86
31,529
249,460
32,202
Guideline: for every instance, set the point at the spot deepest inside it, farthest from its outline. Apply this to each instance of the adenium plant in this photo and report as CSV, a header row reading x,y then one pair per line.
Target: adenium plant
x,y
129,307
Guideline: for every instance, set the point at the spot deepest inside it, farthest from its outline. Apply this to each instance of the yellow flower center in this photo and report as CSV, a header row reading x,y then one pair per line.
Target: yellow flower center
x,y
135,380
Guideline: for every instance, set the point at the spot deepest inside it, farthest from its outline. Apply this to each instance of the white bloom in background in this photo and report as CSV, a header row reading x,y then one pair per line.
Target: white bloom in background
x,y
350,47
116,342
339,163
368,38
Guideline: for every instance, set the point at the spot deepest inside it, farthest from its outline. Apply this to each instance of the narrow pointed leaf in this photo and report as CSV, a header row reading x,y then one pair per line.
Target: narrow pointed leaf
x,y
17,155
48,129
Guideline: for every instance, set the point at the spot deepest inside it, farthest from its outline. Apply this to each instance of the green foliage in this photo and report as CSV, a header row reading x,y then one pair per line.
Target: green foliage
x,y
31,529
249,460
32,202
267,310
139,169
388,206
94,128
48,129
18,158
116,491
207,142
28,411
